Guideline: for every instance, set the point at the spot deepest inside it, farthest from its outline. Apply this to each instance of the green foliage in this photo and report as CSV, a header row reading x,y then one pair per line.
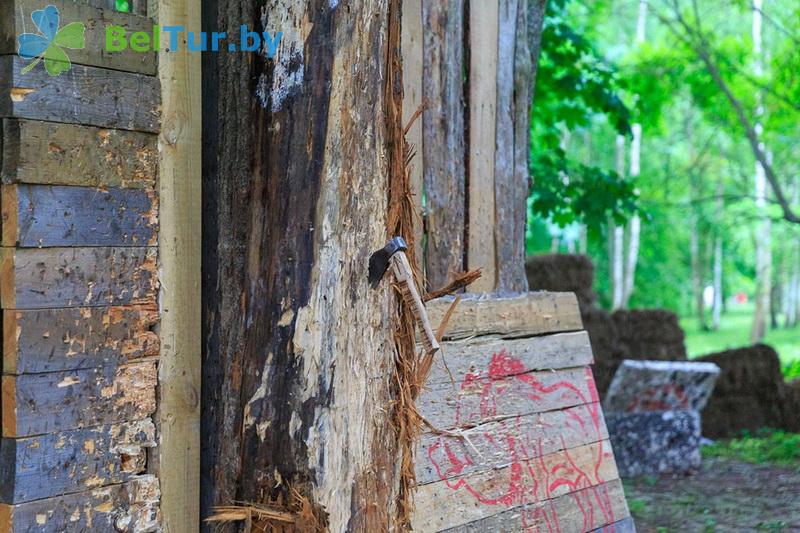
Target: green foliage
x,y
765,447
574,85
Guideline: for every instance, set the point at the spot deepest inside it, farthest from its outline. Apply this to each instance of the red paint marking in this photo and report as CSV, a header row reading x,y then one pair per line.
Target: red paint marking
x,y
662,398
527,480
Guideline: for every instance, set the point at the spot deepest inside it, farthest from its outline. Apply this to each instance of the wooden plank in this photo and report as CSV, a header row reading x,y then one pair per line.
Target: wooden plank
x,y
458,358
465,499
626,525
82,95
131,506
44,215
510,187
482,397
444,149
533,313
60,401
68,154
495,444
411,47
179,252
483,35
32,278
50,465
15,17
49,340
588,509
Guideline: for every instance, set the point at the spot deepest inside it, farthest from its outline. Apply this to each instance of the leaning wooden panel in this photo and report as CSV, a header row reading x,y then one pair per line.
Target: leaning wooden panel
x,y
484,396
59,401
32,278
49,340
131,507
44,216
68,154
470,356
81,95
530,314
526,480
39,467
495,444
15,19
588,509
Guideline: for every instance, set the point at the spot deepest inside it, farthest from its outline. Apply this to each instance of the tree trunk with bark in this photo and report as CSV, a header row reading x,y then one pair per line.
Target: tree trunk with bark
x,y
616,243
299,352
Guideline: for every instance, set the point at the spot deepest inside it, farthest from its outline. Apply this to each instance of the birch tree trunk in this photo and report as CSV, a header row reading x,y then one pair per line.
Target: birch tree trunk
x,y
299,351
764,230
716,310
792,307
635,225
617,239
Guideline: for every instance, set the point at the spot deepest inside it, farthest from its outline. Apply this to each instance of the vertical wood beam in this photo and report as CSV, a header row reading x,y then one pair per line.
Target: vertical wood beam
x,y
443,133
179,254
411,46
483,34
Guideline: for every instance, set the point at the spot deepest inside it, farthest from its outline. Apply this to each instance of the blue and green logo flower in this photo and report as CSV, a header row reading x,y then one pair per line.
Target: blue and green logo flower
x,y
50,42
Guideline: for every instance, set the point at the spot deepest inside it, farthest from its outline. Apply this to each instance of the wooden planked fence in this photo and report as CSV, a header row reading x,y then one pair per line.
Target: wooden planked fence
x,y
79,281
470,170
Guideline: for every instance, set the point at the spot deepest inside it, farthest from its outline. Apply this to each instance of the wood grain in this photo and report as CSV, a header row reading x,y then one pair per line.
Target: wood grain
x,y
45,216
51,465
492,445
510,179
458,358
482,98
533,313
444,150
465,499
60,401
178,455
578,512
15,19
82,95
412,49
130,506
67,154
32,278
482,398
49,340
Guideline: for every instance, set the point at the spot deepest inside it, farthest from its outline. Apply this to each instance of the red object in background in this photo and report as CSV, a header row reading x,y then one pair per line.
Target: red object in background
x,y
741,298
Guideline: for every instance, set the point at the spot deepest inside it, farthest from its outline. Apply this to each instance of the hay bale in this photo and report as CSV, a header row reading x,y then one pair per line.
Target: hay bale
x,y
650,334
608,353
750,394
563,273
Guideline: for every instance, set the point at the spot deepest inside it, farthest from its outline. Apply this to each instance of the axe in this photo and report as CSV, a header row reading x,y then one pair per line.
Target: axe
x,y
393,254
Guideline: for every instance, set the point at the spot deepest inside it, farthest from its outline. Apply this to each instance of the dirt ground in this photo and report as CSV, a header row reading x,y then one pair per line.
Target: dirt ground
x,y
725,496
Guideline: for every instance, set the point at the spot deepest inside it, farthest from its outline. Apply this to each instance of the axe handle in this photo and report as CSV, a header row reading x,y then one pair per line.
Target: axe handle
x,y
405,277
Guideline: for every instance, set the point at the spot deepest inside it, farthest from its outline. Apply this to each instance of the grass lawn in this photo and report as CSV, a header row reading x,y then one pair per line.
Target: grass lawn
x,y
734,332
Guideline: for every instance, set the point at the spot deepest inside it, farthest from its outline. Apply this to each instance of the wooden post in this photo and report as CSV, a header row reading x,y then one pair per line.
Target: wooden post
x,y
411,46
179,255
483,21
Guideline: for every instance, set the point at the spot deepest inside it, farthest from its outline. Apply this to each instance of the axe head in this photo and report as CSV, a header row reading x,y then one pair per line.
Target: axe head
x,y
379,260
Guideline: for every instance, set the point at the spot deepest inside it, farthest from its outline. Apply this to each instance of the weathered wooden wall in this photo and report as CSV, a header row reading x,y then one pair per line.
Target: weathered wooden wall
x,y
298,354
78,282
471,144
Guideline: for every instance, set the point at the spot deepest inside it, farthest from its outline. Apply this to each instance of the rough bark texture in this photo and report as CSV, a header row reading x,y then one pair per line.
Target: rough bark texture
x,y
298,348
